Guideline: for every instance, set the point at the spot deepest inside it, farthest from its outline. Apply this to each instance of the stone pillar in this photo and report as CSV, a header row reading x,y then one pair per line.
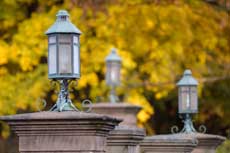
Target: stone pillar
x,y
125,139
61,132
171,143
127,136
207,143
125,111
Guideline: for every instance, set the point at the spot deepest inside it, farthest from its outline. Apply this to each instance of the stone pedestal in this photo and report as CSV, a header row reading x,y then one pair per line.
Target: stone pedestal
x,y
127,136
125,140
207,143
61,132
122,110
172,143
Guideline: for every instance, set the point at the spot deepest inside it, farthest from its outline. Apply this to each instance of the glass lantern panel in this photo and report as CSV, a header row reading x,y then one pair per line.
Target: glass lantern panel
x,y
75,40
52,39
184,99
76,60
113,73
108,71
52,59
194,101
65,60
64,38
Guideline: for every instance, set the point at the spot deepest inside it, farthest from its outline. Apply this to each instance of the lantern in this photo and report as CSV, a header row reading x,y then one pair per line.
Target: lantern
x,y
188,103
63,57
187,87
64,48
113,66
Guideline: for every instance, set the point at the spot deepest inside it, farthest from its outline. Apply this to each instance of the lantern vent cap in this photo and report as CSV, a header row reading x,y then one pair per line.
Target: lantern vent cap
x,y
187,79
113,57
63,24
62,13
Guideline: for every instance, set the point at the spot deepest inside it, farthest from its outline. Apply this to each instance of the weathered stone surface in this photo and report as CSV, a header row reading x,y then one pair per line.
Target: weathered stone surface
x,y
207,143
122,110
61,132
172,143
125,139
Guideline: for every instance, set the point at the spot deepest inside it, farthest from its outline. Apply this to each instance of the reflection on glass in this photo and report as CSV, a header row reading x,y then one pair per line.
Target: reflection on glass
x,y
76,59
52,59
113,73
187,100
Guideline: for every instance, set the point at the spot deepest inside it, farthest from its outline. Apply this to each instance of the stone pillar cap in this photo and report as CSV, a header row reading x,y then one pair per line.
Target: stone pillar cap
x,y
66,132
116,107
126,135
170,138
127,130
207,139
66,115
118,104
125,111
58,122
203,135
170,143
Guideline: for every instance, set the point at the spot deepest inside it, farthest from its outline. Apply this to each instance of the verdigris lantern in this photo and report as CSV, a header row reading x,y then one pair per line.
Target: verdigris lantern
x,y
64,48
63,57
187,102
113,66
187,93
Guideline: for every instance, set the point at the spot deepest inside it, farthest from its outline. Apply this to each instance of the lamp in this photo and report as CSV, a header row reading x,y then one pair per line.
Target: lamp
x,y
63,57
188,102
113,66
187,88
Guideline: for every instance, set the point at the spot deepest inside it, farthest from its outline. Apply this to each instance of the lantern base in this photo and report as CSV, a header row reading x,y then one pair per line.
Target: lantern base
x,y
66,76
63,102
113,97
188,126
64,107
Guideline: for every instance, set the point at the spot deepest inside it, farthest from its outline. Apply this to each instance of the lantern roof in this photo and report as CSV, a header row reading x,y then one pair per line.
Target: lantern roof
x,y
63,24
113,56
187,79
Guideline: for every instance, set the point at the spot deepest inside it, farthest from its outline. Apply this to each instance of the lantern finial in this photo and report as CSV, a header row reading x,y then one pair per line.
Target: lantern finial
x,y
63,25
187,79
62,15
187,72
113,50
113,56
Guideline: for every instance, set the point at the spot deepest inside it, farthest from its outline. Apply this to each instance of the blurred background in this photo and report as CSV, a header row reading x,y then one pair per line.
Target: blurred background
x,y
157,40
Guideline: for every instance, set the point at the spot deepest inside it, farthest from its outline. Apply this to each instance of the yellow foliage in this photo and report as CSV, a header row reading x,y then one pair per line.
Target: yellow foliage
x,y
137,99
3,53
21,104
25,63
150,24
127,63
90,79
5,130
143,116
160,95
3,71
